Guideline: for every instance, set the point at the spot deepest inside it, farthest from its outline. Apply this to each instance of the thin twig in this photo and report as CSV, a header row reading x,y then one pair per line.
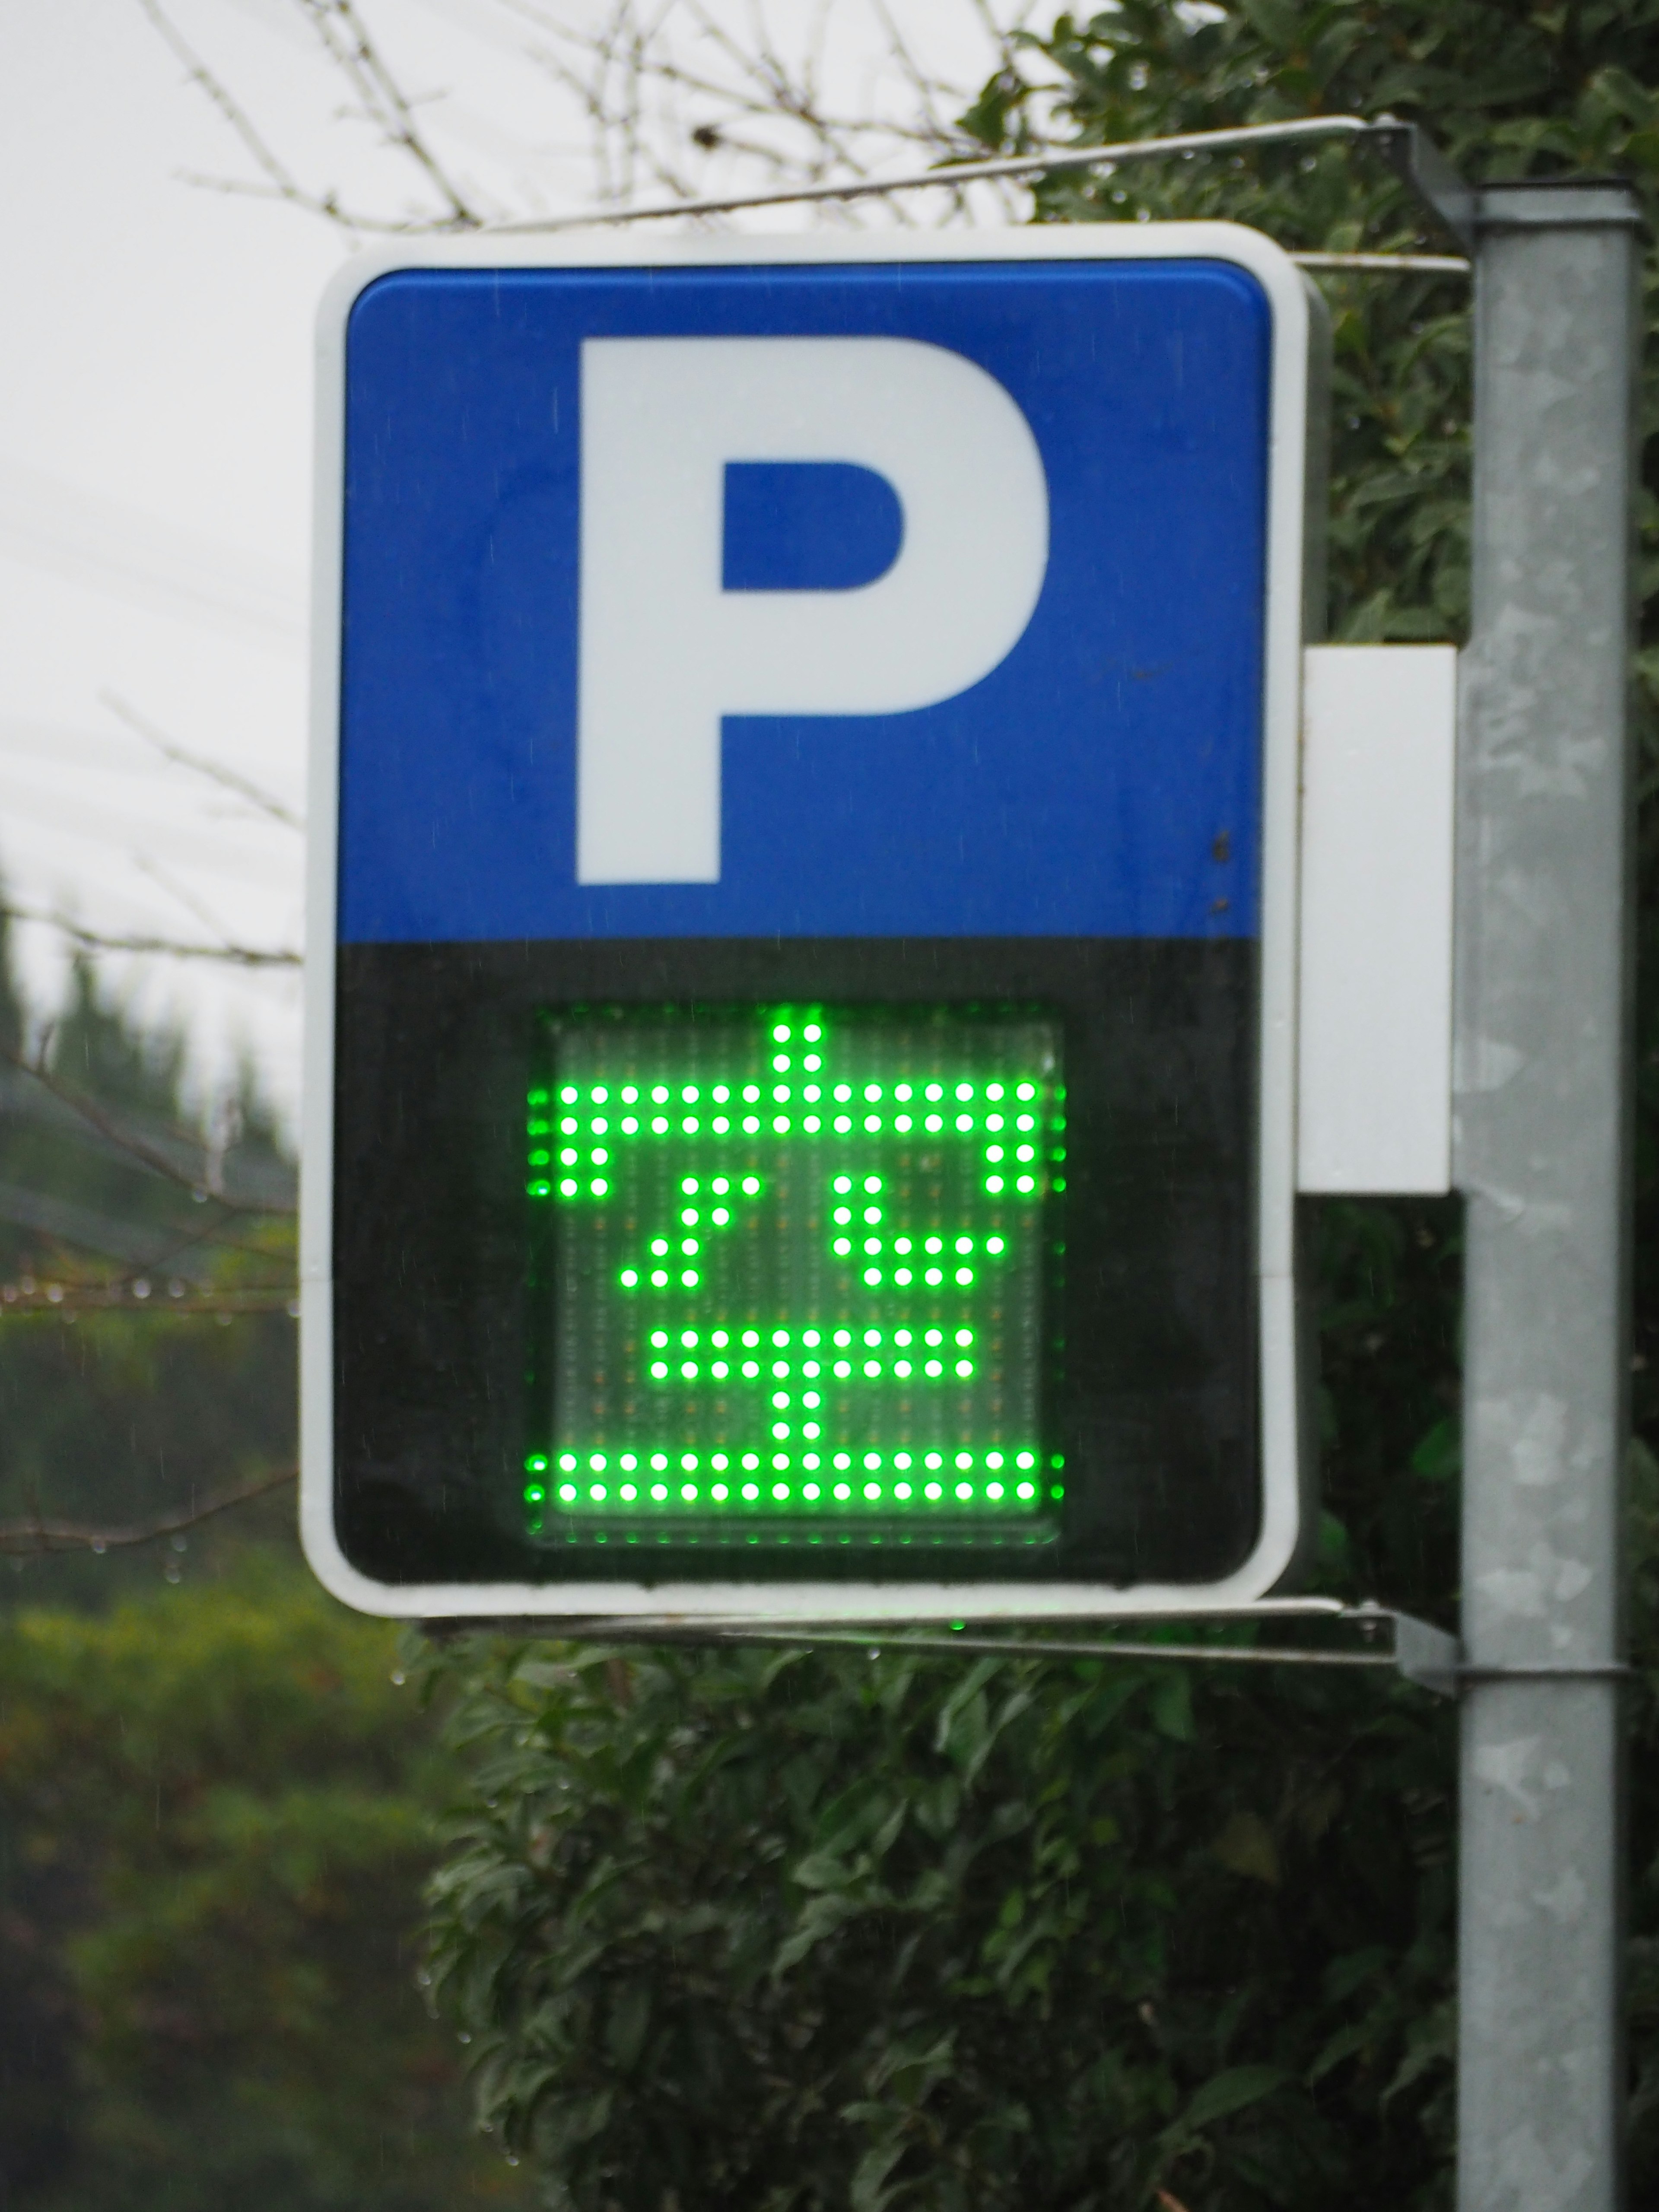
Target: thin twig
x,y
228,779
281,182
353,52
97,940
36,1533
146,1155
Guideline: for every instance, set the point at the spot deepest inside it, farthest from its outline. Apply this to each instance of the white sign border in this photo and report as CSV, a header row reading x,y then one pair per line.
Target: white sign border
x,y
1283,1417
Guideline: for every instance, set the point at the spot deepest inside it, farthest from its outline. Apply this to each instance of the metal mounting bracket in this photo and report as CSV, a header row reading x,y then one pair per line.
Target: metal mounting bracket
x,y
1412,155
1376,1637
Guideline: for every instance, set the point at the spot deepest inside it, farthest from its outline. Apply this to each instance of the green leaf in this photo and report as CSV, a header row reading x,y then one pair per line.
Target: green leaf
x,y
1239,2087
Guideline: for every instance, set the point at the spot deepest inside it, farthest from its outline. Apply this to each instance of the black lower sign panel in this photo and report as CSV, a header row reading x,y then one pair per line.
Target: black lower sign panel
x,y
931,1250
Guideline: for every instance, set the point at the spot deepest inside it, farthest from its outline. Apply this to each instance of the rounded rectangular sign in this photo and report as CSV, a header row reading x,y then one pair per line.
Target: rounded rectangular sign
x,y
799,1112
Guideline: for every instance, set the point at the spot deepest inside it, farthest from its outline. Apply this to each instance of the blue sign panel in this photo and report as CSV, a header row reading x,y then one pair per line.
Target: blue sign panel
x,y
995,672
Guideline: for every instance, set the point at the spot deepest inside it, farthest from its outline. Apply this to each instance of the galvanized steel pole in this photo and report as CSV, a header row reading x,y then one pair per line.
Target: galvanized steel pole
x,y
1541,1082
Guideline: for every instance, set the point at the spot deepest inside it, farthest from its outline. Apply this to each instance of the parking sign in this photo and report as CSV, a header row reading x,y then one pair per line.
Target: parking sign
x,y
801,1062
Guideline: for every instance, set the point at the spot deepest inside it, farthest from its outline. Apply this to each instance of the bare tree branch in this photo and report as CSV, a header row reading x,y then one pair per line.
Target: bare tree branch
x,y
228,779
123,1140
284,184
351,52
38,1533
345,40
97,940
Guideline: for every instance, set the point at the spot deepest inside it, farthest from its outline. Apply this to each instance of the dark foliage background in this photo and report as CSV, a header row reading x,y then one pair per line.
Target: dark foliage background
x,y
217,1804
745,1931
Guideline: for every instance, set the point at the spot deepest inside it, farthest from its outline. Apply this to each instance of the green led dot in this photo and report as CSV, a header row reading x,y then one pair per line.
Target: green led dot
x,y
689,1278
812,1033
781,1125
965,1490
872,1490
780,1033
569,1095
901,1490
568,1187
568,1462
934,1491
993,1489
659,1491
629,1279
1027,1091
568,1493
843,1491
1027,1490
1026,1185
964,1368
599,1187
689,1492
627,1493
1027,1459
964,1276
751,1185
719,1492
631,1094
596,1491
751,1491
994,1185
541,1159
1056,1490
872,1277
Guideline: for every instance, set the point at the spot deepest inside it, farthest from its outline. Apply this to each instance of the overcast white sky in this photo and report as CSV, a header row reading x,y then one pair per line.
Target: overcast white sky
x,y
155,428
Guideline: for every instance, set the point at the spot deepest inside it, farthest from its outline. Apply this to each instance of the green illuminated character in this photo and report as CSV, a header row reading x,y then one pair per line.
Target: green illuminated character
x,y
798,1264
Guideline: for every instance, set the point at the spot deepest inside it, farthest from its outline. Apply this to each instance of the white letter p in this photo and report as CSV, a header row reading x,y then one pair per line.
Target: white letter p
x,y
666,653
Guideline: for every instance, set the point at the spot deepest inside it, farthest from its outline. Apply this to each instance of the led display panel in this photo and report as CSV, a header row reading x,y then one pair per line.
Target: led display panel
x,y
795,1270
